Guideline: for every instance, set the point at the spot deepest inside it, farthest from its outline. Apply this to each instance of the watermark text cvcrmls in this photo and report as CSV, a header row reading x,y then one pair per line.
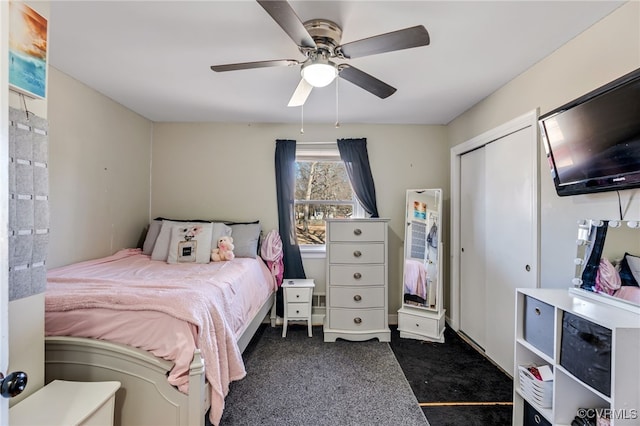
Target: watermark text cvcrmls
x,y
609,413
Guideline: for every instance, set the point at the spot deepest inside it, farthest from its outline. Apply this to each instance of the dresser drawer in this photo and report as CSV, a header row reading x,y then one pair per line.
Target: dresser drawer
x,y
356,319
357,253
298,294
357,297
356,275
357,231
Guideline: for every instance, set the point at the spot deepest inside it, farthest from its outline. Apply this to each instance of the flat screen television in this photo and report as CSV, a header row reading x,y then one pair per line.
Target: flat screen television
x,y
593,142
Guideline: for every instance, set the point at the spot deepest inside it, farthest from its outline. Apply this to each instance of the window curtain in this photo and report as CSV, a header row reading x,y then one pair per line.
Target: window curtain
x,y
285,193
356,160
590,271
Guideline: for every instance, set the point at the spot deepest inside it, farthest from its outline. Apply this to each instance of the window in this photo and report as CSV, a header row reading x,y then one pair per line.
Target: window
x,y
323,191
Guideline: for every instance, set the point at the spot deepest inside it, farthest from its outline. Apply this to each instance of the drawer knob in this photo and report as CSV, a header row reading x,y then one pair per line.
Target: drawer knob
x,y
357,231
297,295
537,311
357,298
357,320
357,275
357,253
417,325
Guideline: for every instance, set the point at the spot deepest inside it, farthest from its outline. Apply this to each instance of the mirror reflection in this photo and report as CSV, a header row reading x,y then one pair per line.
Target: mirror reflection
x,y
608,259
422,248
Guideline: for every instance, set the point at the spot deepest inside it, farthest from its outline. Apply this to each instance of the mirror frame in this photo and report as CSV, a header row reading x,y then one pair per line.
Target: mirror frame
x,y
418,211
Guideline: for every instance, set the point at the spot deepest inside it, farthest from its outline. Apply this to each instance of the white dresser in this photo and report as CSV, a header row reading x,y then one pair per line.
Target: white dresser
x,y
357,280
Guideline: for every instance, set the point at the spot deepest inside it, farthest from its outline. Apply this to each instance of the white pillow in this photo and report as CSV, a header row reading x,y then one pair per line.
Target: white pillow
x,y
190,243
161,248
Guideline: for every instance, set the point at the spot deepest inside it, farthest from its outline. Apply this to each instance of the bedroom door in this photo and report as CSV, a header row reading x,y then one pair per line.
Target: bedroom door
x,y
4,204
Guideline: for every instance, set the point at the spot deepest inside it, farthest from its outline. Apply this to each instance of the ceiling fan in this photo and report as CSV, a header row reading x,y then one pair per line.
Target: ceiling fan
x,y
319,41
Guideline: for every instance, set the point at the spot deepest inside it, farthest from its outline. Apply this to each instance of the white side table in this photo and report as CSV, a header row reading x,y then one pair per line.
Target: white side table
x,y
297,301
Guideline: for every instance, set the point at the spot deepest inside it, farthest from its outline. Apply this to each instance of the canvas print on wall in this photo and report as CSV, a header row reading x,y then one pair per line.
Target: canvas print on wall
x,y
27,51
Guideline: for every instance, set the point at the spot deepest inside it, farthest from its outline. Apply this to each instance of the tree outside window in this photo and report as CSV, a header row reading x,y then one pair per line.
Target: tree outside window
x,y
323,191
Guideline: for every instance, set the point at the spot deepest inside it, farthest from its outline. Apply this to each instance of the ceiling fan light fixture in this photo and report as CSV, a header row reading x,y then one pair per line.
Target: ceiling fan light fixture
x,y
319,73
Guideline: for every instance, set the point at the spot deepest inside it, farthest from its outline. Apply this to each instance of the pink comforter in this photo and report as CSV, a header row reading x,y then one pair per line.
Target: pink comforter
x,y
212,303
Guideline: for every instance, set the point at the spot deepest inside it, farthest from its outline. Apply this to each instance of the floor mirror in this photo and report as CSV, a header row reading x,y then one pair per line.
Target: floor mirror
x,y
421,315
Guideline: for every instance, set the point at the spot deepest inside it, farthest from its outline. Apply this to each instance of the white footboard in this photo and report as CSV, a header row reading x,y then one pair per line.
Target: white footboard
x,y
146,397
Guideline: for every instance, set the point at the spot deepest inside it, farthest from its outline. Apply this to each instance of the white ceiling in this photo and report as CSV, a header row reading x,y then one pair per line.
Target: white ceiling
x,y
154,57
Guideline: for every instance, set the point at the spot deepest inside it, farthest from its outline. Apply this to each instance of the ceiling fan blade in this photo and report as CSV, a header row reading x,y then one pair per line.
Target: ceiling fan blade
x,y
301,94
258,64
366,81
286,17
396,40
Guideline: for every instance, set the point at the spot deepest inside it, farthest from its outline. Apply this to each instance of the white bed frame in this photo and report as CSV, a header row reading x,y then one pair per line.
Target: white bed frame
x,y
145,396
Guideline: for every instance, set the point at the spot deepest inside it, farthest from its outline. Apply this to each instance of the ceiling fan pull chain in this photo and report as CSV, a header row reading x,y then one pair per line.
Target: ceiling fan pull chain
x,y
337,107
302,119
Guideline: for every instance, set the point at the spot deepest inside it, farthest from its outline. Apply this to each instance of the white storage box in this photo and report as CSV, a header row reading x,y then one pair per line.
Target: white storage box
x,y
536,391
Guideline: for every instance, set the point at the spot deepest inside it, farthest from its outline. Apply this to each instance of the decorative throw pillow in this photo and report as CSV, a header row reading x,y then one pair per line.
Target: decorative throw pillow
x,y
245,239
190,243
152,236
630,270
161,248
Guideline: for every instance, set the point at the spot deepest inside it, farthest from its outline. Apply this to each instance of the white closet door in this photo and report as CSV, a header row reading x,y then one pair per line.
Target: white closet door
x,y
510,247
472,242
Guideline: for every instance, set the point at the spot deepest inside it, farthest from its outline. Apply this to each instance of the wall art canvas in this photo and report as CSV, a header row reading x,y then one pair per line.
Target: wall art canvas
x,y
27,50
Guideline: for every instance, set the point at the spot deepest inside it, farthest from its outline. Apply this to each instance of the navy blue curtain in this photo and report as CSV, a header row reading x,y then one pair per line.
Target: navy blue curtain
x,y
285,193
593,263
356,160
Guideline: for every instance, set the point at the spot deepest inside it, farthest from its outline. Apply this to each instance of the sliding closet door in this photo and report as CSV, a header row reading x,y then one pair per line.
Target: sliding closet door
x,y
472,246
510,225
498,236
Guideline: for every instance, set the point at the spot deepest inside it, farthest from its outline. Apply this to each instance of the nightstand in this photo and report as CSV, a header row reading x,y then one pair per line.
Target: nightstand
x,y
297,302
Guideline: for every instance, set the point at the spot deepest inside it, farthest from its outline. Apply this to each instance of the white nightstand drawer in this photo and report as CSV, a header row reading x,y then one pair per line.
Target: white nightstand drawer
x,y
353,275
357,231
294,294
421,325
297,310
357,297
357,253
356,319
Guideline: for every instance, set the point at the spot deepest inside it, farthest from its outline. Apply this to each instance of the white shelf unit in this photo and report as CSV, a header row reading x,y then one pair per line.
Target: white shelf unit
x,y
571,393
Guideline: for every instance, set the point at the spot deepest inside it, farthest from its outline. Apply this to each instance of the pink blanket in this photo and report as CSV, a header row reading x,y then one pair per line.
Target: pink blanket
x,y
217,298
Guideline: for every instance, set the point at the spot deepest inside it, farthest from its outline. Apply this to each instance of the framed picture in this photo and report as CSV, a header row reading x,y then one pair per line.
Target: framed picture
x,y
28,35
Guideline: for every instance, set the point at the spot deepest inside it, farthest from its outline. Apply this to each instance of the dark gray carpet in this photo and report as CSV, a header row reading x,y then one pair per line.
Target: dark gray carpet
x,y
303,381
454,372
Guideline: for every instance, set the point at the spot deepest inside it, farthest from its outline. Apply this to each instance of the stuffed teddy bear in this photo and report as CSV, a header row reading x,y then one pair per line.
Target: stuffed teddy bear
x,y
224,250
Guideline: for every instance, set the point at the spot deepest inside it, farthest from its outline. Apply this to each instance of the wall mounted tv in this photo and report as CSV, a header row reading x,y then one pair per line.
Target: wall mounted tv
x,y
593,142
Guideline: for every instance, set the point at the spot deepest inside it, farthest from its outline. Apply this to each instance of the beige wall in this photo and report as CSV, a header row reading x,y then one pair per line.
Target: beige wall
x,y
99,171
608,50
226,171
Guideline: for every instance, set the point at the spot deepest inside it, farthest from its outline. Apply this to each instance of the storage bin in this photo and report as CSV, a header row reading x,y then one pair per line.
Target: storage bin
x,y
532,417
536,391
538,324
585,352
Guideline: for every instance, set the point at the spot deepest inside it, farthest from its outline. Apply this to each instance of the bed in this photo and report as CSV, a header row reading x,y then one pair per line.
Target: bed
x,y
154,326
